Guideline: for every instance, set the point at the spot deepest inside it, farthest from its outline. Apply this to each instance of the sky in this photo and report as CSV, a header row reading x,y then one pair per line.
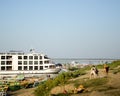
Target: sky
x,y
61,28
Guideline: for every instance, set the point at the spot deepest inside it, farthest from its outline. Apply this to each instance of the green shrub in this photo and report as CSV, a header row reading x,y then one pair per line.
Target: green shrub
x,y
100,66
73,68
61,79
42,90
115,71
14,88
114,64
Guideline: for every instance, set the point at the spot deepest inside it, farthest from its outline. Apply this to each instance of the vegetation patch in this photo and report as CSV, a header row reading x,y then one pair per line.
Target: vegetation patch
x,y
98,84
91,83
61,79
115,71
14,88
103,88
114,64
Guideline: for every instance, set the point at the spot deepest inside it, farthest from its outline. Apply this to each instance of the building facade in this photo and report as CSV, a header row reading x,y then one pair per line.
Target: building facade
x,y
21,61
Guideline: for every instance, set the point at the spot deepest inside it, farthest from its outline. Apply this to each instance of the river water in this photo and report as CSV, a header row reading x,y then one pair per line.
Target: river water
x,y
82,61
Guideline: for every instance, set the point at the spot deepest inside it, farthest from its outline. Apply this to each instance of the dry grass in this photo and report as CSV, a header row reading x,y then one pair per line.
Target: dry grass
x,y
110,88
23,92
105,86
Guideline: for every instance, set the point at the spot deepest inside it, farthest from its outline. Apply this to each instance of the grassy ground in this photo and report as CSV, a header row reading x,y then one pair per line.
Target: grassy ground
x,y
103,85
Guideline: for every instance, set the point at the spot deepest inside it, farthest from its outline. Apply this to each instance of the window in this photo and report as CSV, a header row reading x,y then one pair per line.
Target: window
x,y
52,66
2,62
30,62
2,57
46,62
40,57
19,67
25,62
41,67
3,68
41,62
35,57
19,62
9,68
25,57
35,62
30,67
25,67
8,62
19,57
46,66
36,68
8,57
30,57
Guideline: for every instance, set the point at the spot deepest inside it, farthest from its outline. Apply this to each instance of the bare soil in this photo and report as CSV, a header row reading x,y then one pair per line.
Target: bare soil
x,y
114,83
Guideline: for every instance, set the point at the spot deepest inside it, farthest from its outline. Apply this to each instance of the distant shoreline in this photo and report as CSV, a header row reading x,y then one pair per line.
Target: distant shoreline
x,y
87,58
84,60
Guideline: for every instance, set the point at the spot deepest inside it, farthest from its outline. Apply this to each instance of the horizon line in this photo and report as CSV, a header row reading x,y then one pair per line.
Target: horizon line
x,y
87,58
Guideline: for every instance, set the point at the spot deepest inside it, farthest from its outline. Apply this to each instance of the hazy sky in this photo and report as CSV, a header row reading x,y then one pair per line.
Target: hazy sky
x,y
61,28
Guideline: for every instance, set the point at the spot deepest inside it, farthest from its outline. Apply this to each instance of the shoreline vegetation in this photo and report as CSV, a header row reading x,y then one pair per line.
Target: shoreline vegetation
x,y
77,82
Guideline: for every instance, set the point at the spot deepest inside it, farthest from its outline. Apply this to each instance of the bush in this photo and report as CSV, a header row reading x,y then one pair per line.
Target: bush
x,y
61,79
114,64
42,90
14,88
115,71
73,69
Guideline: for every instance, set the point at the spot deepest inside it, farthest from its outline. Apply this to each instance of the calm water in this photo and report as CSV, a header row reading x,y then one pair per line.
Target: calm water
x,y
82,61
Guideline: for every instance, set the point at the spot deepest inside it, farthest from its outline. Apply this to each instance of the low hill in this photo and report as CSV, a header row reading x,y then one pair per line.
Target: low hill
x,y
102,85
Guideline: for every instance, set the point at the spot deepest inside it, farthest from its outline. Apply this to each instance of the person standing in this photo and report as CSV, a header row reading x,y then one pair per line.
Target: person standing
x,y
94,72
106,68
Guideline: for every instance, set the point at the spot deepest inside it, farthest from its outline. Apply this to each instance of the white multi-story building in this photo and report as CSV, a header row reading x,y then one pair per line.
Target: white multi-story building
x,y
15,62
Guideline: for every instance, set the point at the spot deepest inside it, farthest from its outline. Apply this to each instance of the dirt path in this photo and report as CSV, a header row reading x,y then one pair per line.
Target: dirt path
x,y
114,82
23,92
